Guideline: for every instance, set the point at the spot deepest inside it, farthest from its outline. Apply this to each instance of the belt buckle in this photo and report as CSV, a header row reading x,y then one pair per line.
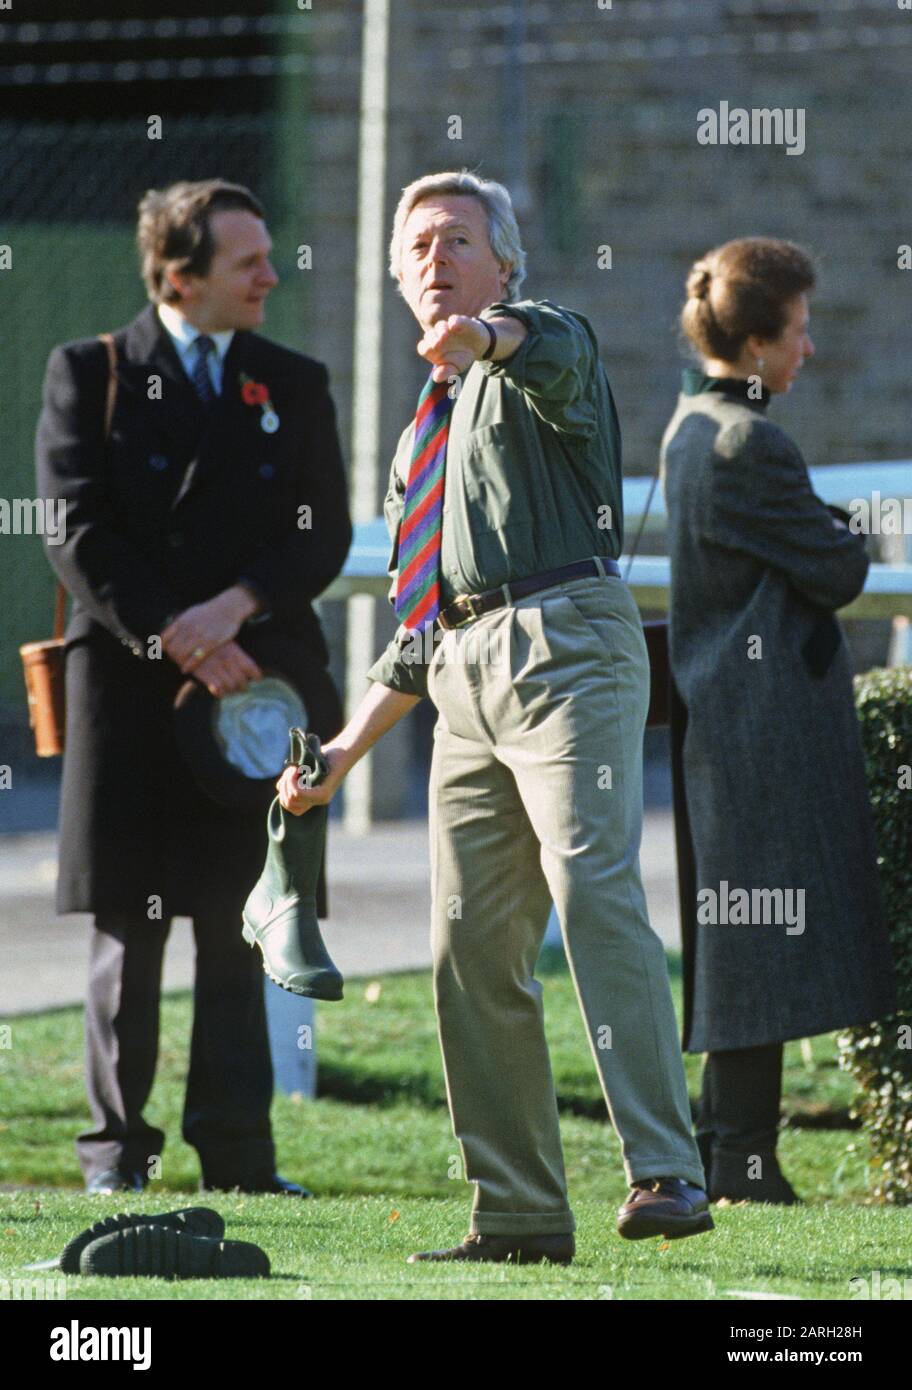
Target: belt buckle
x,y
468,599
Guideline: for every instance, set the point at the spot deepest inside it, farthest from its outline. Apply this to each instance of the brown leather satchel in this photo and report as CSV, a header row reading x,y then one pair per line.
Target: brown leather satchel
x,y
43,662
656,634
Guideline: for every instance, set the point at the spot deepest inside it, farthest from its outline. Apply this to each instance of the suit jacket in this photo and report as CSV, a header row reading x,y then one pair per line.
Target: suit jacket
x,y
181,504
770,780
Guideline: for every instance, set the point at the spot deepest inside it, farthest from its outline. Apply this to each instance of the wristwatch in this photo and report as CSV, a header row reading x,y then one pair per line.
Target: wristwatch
x,y
486,356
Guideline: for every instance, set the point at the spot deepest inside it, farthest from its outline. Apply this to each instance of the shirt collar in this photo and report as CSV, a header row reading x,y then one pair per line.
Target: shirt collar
x,y
694,381
185,334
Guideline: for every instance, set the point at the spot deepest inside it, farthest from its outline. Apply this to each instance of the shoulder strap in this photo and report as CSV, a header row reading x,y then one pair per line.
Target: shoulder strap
x,y
59,610
639,534
110,399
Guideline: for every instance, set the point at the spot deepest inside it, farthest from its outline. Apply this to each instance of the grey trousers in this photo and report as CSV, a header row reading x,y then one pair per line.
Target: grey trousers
x,y
536,796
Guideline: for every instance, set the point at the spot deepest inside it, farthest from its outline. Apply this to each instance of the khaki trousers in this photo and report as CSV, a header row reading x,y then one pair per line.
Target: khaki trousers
x,y
536,796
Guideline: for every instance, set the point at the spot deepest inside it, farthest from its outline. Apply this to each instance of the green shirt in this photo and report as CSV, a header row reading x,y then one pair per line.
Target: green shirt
x,y
533,473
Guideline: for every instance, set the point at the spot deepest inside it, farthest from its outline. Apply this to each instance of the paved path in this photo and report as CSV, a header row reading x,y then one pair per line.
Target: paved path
x,y
379,903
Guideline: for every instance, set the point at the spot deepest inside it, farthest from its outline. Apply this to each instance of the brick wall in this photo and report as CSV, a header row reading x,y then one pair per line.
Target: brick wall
x,y
595,134
611,102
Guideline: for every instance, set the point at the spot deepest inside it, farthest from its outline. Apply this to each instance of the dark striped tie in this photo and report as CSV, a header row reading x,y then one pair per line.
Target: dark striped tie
x,y
418,582
201,378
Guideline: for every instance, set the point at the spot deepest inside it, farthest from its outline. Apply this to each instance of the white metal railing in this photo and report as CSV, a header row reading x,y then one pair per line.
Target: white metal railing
x,y
887,593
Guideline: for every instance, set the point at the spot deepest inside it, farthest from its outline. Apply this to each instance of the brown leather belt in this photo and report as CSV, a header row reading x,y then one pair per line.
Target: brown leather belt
x,y
467,607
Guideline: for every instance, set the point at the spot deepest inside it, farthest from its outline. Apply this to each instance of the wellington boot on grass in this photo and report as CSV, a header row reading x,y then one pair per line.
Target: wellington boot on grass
x,y
280,916
200,1221
168,1254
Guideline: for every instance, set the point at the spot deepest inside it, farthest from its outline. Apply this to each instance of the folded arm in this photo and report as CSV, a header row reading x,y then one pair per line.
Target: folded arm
x,y
763,504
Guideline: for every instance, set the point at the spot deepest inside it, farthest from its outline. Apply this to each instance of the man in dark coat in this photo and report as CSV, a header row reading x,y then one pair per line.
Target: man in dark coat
x,y
200,532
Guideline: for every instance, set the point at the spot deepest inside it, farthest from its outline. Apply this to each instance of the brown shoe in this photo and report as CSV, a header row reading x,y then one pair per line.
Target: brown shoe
x,y
668,1207
526,1250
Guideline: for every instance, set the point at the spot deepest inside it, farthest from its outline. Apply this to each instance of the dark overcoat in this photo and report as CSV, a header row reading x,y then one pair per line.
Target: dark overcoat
x,y
180,505
771,756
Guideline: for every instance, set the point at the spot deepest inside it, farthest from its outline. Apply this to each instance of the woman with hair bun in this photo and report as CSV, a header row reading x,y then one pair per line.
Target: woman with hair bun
x,y
782,925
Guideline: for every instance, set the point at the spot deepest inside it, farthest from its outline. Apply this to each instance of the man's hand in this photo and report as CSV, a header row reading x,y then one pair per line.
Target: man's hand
x,y
379,710
199,630
227,670
297,799
453,345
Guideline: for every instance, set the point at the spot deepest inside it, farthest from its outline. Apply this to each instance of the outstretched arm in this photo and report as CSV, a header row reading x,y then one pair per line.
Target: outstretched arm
x,y
548,353
455,343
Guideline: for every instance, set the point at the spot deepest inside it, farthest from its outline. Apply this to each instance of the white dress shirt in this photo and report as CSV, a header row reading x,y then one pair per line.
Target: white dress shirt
x,y
184,335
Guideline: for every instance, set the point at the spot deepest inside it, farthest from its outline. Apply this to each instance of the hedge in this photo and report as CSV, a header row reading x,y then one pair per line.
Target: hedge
x,y
879,1055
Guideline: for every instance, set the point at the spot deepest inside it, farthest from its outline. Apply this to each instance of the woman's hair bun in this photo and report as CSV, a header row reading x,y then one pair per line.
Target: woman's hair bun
x,y
699,281
741,288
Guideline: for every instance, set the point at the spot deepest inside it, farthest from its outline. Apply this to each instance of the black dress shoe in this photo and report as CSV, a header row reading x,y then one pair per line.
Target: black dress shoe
x,y
705,1141
668,1207
269,1182
526,1250
742,1176
113,1180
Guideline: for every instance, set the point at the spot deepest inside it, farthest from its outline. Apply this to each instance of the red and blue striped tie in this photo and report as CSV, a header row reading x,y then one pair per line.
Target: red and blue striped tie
x,y
418,582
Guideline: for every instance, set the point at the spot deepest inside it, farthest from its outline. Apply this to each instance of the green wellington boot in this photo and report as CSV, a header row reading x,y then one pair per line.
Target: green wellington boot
x,y
280,916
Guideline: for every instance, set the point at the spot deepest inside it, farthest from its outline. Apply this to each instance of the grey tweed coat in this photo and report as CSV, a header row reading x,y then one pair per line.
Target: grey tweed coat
x,y
768,746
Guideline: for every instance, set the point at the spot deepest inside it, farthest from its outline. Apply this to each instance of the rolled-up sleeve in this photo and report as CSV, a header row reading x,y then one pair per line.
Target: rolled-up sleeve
x,y
553,365
402,665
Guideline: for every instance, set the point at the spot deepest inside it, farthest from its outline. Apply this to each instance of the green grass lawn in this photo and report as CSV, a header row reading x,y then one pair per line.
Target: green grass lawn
x,y
377,1150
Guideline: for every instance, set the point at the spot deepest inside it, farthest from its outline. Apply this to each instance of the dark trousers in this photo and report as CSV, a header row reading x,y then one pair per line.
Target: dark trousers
x,y
229,1082
741,1096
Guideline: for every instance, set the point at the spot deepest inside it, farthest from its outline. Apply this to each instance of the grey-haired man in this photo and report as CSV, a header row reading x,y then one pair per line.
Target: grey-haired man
x,y
540,679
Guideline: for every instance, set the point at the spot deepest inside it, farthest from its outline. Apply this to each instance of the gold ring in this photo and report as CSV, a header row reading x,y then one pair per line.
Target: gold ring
x,y
199,653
